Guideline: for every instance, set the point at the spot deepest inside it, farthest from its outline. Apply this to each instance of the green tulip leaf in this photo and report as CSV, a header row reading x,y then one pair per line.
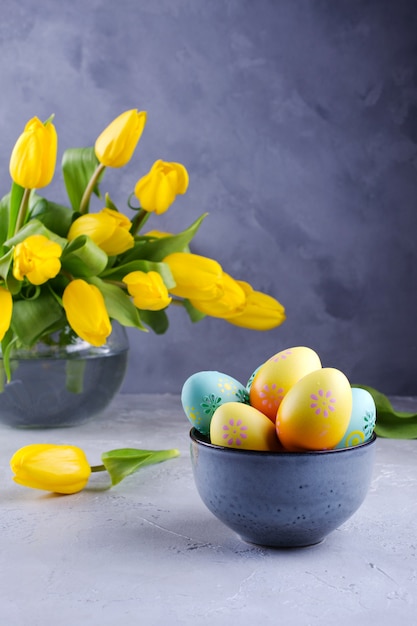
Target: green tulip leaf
x,y
31,319
193,313
390,423
74,375
78,167
109,204
156,320
55,217
119,272
5,263
157,249
15,200
118,304
4,220
34,227
7,343
125,461
82,257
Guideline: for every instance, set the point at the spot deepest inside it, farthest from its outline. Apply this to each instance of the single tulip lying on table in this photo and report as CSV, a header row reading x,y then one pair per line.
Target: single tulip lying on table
x,y
65,469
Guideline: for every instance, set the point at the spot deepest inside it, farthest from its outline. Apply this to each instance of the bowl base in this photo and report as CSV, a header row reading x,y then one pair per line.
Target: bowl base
x,y
285,545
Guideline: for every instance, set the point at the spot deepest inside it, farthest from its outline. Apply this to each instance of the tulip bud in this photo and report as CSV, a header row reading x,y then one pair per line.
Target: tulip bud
x,y
116,144
196,277
6,308
148,290
230,303
157,190
33,159
261,311
157,234
108,229
86,312
37,259
57,468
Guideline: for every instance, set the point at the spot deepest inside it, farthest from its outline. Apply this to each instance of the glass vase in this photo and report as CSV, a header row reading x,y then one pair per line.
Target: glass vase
x,y
60,383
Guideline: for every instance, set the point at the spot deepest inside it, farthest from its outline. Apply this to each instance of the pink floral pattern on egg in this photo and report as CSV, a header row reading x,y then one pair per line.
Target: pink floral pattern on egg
x,y
271,396
235,432
323,402
281,356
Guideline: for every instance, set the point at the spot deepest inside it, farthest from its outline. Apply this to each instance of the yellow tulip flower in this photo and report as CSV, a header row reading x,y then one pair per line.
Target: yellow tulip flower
x,y
109,229
230,303
261,311
37,259
196,277
33,159
86,312
6,308
158,234
57,468
157,190
116,144
148,290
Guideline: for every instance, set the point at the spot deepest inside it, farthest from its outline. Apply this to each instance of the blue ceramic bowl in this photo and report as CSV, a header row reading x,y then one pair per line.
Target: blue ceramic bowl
x,y
281,499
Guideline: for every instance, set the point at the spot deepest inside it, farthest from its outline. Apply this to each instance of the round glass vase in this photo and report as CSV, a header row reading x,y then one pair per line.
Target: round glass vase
x,y
60,383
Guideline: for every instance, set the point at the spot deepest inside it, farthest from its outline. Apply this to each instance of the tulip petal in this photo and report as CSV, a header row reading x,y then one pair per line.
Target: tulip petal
x,y
108,229
116,144
6,309
157,190
229,304
148,290
37,259
261,312
196,277
90,321
33,159
57,468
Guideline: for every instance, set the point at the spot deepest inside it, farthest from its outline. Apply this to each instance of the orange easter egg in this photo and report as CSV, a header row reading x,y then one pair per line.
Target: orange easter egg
x,y
277,375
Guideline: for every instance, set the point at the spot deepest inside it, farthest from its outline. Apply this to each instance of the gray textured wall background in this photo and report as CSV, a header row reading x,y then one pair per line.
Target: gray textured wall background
x,y
297,121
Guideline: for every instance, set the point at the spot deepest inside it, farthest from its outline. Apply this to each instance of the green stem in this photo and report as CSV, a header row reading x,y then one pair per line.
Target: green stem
x,y
116,283
21,216
90,188
2,376
98,468
138,221
6,358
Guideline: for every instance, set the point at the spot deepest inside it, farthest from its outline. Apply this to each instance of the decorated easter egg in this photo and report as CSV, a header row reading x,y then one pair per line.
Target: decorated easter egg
x,y
315,412
277,375
237,425
362,419
203,392
251,378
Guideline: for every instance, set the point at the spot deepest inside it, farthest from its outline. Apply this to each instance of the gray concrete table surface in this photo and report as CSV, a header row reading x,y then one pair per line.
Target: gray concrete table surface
x,y
149,552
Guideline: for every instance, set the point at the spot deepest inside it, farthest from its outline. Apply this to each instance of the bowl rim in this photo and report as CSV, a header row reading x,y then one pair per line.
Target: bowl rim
x,y
204,441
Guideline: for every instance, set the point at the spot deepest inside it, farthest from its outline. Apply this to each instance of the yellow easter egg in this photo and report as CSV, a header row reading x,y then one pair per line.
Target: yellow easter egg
x,y
315,412
237,425
277,375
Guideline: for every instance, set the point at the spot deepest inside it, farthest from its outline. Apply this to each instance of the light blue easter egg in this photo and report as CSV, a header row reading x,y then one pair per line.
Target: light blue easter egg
x,y
362,419
204,391
251,377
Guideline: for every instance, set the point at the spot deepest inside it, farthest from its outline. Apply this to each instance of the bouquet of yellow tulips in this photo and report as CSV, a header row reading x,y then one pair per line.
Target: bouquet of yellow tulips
x,y
63,266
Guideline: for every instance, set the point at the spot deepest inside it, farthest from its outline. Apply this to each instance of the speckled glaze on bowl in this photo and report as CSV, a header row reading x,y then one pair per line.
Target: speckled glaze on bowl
x,y
281,499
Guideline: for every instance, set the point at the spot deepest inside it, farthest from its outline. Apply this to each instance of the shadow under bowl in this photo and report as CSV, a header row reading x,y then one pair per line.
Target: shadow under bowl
x,y
281,499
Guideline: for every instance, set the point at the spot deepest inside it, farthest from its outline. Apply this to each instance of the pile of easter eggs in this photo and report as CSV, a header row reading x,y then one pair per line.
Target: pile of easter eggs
x,y
290,403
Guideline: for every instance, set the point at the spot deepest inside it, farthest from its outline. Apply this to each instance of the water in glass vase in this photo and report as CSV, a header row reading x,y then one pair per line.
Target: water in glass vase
x,y
58,388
